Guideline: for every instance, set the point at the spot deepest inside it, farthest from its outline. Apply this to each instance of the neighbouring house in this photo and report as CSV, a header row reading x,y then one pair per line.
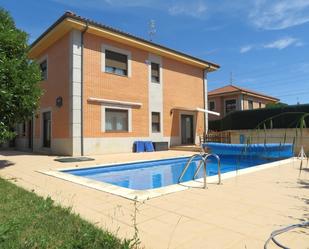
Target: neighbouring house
x,y
231,98
105,89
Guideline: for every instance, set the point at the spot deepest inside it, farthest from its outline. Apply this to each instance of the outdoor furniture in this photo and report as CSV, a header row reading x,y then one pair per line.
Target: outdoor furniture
x,y
160,146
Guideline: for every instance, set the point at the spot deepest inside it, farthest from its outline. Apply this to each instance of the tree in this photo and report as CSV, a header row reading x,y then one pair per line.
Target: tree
x,y
19,77
276,105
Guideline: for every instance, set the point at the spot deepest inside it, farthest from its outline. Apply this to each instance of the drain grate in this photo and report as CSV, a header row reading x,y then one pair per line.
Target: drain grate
x,y
73,159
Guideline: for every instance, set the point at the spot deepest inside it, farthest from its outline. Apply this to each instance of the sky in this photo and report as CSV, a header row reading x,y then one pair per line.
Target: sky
x,y
262,45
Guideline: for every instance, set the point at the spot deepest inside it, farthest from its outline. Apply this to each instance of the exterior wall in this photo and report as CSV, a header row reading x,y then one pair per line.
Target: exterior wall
x,y
220,104
256,102
109,86
183,88
57,84
75,90
181,85
274,136
242,103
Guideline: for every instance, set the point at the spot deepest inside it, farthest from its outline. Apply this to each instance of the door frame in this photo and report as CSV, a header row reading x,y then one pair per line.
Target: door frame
x,y
30,134
193,114
48,109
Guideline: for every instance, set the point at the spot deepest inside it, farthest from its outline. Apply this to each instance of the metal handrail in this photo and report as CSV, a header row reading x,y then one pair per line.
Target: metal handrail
x,y
202,161
219,166
188,164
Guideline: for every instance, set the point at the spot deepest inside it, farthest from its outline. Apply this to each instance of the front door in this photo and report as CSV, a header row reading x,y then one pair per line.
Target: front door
x,y
46,129
187,129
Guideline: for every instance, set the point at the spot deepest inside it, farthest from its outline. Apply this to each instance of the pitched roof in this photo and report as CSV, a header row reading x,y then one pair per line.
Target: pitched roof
x,y
228,89
82,23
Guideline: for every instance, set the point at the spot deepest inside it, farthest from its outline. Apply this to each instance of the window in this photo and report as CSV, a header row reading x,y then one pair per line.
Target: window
x,y
250,104
116,63
260,105
116,120
230,105
43,67
212,105
155,72
23,130
155,121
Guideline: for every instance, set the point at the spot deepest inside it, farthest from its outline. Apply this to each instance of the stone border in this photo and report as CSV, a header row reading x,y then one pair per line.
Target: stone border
x,y
142,195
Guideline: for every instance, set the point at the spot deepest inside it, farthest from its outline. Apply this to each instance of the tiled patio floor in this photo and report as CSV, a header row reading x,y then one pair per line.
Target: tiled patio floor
x,y
241,213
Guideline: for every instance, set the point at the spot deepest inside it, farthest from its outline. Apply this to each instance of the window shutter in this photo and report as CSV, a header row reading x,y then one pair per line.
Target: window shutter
x,y
116,60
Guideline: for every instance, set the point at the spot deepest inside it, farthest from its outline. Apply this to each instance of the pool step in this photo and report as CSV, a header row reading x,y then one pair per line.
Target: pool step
x,y
194,148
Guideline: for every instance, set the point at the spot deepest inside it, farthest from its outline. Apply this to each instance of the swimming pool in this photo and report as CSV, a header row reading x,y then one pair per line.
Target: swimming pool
x,y
161,173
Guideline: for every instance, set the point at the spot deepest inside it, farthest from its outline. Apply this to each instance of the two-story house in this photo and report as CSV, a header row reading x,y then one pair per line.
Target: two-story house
x,y
105,89
231,98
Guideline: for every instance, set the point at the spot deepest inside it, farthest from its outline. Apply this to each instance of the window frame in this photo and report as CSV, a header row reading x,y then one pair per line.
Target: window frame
x,y
42,111
105,47
40,61
153,58
158,81
103,118
250,104
225,111
212,101
159,123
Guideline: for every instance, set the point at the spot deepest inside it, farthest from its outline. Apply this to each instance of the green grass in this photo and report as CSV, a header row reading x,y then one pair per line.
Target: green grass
x,y
30,221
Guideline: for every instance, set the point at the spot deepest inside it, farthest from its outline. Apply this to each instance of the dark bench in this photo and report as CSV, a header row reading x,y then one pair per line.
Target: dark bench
x,y
160,146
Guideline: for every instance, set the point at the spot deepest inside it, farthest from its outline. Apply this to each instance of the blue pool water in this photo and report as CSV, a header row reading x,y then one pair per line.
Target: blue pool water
x,y
160,173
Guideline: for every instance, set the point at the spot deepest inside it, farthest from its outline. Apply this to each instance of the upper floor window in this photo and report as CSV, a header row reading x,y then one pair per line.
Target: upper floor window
x,y
43,67
155,72
250,104
230,105
116,63
212,106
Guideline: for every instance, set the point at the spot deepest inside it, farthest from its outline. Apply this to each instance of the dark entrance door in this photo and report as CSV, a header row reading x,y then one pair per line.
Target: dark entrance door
x,y
187,129
46,129
30,136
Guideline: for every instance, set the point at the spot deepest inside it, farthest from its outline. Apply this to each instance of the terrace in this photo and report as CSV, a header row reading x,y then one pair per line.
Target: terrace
x,y
241,213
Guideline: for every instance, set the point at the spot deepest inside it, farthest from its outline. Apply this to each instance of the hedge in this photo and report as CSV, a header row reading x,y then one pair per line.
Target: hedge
x,y
249,119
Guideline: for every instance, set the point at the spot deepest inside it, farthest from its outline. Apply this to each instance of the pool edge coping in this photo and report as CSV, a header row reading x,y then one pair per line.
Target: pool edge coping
x,y
143,195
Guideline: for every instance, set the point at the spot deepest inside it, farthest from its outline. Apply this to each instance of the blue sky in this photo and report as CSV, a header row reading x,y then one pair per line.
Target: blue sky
x,y
264,43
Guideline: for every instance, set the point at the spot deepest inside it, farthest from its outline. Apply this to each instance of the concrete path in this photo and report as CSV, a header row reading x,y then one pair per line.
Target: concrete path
x,y
241,213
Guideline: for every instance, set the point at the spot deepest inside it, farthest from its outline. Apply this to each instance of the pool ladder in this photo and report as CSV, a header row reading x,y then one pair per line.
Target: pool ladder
x,y
202,162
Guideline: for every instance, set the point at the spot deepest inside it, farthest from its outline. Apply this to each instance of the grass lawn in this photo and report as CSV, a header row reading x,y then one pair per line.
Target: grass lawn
x,y
30,221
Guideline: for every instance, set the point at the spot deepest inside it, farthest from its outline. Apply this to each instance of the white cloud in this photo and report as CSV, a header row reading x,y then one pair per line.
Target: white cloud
x,y
279,14
246,49
277,44
283,43
193,9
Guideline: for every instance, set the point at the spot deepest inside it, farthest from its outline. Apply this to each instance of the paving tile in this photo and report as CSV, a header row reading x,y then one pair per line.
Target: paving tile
x,y
212,239
241,213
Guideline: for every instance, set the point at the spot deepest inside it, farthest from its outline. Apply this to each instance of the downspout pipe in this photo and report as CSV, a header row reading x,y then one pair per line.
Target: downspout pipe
x,y
82,92
205,98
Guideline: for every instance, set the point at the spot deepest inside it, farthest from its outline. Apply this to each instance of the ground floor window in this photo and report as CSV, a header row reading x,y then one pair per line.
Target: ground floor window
x,y
250,104
155,122
116,120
